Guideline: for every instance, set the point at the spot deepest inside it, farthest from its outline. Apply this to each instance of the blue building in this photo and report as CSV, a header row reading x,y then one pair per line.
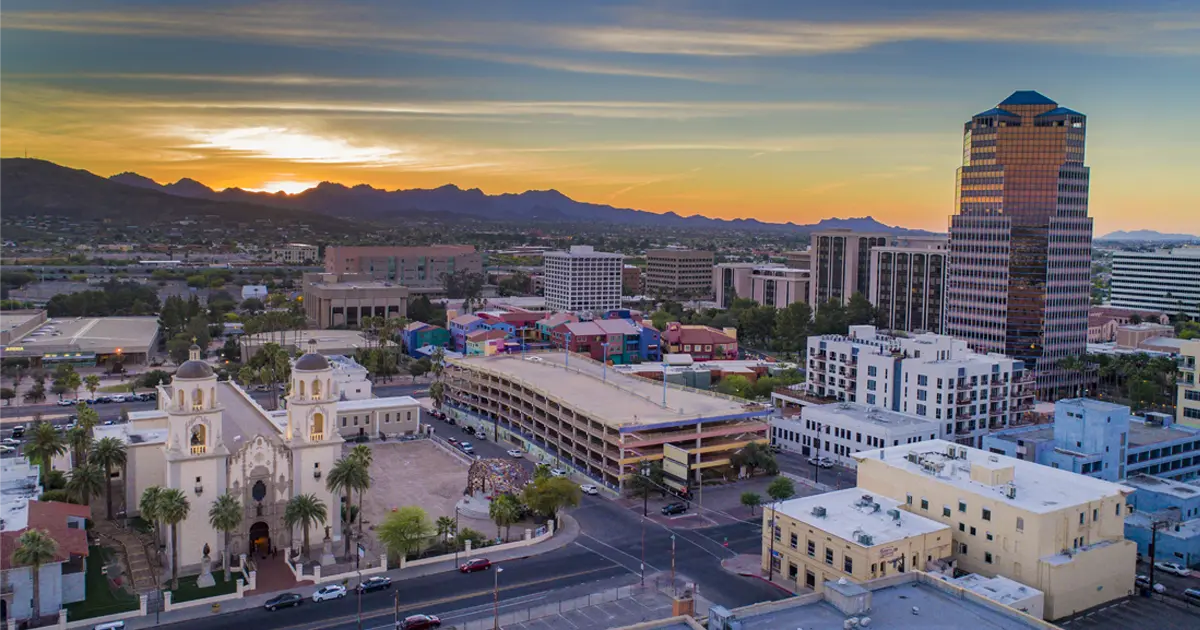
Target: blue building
x,y
1103,440
1165,500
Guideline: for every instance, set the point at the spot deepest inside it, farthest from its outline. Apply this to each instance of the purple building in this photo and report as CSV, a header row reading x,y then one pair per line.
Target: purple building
x,y
1019,278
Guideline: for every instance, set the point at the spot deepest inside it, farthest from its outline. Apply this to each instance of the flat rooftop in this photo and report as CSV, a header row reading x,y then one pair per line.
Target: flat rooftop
x,y
376,403
1036,434
1039,489
90,335
18,486
617,400
873,415
10,320
893,607
848,514
1174,488
998,589
328,341
129,433
1141,434
351,285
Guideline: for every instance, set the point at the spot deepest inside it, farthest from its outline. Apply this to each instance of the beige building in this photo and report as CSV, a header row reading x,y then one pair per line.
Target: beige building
x,y
679,273
848,534
798,259
841,264
296,254
731,281
1136,335
1188,382
1056,531
332,300
908,283
414,267
779,286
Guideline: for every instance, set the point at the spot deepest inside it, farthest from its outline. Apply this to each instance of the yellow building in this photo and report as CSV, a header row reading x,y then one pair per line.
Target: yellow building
x,y
1057,531
848,534
1188,382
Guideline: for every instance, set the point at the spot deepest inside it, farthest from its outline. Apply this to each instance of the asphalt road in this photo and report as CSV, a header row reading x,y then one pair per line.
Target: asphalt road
x,y
836,477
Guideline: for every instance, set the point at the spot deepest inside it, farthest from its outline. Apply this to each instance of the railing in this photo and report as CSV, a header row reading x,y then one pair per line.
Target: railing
x,y
199,449
316,436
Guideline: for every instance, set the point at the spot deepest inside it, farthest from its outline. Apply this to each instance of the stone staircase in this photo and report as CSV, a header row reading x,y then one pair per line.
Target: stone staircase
x,y
137,552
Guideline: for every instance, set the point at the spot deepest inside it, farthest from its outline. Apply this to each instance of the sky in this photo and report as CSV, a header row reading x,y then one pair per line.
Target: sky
x,y
782,110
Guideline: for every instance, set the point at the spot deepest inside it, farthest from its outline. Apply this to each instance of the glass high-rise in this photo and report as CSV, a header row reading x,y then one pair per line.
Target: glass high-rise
x,y
1021,239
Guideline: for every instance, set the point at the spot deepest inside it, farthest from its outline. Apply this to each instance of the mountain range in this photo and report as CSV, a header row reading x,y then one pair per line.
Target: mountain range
x,y
1146,235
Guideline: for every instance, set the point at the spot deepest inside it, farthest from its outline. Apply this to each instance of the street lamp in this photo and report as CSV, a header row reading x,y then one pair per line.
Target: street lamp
x,y
496,599
664,367
605,365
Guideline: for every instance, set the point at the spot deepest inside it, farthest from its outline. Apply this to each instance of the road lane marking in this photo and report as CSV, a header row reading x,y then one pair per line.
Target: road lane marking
x,y
635,558
434,602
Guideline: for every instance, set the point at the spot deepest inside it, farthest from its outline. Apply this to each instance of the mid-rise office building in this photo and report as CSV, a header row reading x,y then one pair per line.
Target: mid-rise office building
x,y
841,264
331,300
296,254
679,273
908,283
1057,531
929,376
1175,507
582,280
413,267
1019,280
631,280
767,284
1187,381
798,259
839,430
731,281
1167,281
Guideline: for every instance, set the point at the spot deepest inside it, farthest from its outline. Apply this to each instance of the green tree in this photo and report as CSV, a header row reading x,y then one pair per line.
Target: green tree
x,y
225,515
148,509
660,319
92,383
751,500
7,394
753,457
305,511
252,305
445,528
403,531
44,446
85,482
735,385
781,489
419,368
36,393
505,510
73,382
859,310
35,548
830,319
366,456
547,496
87,418
437,393
154,378
108,453
792,326
172,508
347,475
79,443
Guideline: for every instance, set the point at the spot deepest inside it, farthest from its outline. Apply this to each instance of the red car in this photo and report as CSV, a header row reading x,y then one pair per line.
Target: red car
x,y
475,564
419,622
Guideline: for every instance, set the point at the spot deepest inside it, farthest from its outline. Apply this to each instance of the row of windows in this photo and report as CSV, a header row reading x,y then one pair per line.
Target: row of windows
x,y
387,418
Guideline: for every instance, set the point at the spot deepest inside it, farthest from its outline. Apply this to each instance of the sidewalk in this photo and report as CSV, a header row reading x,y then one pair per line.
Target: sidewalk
x,y
563,537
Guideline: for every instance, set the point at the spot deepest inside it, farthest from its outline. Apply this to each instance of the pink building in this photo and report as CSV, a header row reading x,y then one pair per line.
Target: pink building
x,y
414,267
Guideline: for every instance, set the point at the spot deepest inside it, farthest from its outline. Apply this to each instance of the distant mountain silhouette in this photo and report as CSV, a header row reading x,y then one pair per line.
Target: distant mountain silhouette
x,y
40,188
1146,235
366,203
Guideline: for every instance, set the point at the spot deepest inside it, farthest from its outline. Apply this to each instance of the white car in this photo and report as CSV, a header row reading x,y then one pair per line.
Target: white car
x,y
558,472
332,591
588,488
11,442
1171,567
66,402
516,453
5,449
119,398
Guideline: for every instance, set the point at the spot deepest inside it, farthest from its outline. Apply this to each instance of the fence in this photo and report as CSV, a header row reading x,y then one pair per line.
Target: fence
x,y
530,539
554,608
95,621
808,482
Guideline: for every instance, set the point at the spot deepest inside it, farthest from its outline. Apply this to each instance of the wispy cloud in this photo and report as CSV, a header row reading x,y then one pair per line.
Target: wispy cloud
x,y
274,80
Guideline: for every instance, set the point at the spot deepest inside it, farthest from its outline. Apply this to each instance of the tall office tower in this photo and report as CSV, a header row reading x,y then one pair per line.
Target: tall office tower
x,y
908,284
840,264
1021,240
582,280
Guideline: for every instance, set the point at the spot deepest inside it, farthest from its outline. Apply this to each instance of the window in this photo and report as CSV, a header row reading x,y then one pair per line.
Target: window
x,y
848,564
1095,514
972,530
1020,524
343,420
870,399
987,514
924,504
962,527
989,536
1081,517
907,498
922,394
922,380
946,511
962,506
962,549
795,541
870,370
1118,506
987,557
829,556
812,549
871,385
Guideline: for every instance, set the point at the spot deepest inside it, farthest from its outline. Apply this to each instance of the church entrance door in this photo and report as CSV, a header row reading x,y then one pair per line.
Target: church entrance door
x,y
260,538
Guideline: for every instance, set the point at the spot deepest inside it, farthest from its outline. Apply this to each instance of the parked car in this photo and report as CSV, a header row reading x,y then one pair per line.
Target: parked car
x,y
119,398
66,402
103,399
1192,595
6,449
1173,568
419,622
18,431
466,447
376,583
516,453
333,591
823,462
558,472
475,564
588,488
283,601
11,442
674,508
1142,580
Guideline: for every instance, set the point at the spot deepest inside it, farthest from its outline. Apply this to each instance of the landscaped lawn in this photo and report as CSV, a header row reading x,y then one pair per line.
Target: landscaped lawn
x,y
188,590
101,598
121,388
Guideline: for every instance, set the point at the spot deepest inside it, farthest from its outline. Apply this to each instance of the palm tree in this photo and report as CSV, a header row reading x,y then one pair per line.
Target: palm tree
x,y
148,507
363,453
88,418
80,443
225,515
109,453
247,376
445,527
92,383
86,481
305,510
437,392
348,474
504,511
34,548
437,362
172,507
45,445
74,382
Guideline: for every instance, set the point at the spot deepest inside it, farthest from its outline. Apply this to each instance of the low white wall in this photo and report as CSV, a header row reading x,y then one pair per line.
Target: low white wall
x,y
550,529
239,593
95,621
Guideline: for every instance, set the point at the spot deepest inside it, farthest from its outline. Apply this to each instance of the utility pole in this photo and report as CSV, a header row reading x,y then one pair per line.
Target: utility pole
x,y
645,489
643,550
1154,525
664,367
816,465
673,589
456,536
396,609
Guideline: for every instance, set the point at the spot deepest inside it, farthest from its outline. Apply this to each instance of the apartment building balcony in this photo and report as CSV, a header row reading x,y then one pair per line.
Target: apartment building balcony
x,y
964,386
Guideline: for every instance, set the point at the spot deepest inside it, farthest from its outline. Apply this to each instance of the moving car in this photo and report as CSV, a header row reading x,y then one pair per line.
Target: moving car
x,y
466,447
588,488
475,564
6,449
1192,595
1174,568
419,622
823,462
674,508
515,452
453,441
284,601
66,402
11,442
558,472
333,591
376,583
18,431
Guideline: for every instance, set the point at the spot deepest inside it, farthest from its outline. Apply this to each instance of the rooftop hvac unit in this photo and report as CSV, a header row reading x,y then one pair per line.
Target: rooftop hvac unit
x,y
875,507
818,511
866,540
864,622
962,453
951,452
867,499
1011,491
719,618
913,458
894,513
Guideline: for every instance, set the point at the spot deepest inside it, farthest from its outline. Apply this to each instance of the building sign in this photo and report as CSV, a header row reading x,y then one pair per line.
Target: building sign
x,y
675,466
886,552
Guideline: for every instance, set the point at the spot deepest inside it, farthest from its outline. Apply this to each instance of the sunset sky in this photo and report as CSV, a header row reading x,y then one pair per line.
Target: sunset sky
x,y
788,110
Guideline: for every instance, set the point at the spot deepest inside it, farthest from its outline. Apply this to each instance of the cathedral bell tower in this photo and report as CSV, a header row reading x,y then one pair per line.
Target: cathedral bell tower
x,y
312,406
193,413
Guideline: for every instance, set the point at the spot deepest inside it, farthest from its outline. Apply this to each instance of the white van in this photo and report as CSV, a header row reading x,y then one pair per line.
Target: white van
x,y
112,625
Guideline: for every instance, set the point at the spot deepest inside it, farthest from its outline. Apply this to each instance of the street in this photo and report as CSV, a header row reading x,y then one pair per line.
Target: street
x,y
838,477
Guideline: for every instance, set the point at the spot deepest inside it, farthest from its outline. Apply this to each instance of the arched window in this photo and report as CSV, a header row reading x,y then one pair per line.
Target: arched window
x,y
197,399
317,432
212,397
198,442
179,399
316,389
302,389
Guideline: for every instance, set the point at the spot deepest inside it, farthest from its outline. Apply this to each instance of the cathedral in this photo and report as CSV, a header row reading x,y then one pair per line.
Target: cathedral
x,y
208,438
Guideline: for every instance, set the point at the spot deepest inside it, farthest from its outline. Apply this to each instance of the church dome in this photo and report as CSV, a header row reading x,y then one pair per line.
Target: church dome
x,y
194,367
312,362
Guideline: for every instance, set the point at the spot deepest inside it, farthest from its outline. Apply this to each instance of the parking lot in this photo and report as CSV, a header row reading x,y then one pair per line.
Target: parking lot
x,y
1137,612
